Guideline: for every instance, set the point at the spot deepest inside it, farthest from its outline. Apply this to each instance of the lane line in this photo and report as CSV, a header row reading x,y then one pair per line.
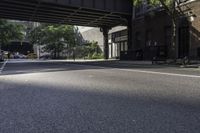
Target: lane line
x,y
161,73
128,70
3,66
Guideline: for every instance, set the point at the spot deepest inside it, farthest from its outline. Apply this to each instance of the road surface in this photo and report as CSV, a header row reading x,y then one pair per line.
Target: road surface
x,y
61,97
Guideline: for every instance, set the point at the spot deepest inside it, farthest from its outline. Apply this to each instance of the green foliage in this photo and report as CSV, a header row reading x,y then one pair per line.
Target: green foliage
x,y
93,51
153,2
36,35
57,38
10,31
54,37
97,56
167,4
137,2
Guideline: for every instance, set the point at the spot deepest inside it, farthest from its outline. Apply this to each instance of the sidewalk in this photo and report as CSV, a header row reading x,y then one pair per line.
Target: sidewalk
x,y
194,64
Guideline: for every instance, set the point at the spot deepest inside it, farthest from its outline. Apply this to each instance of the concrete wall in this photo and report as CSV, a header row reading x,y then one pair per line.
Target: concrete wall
x,y
94,34
117,28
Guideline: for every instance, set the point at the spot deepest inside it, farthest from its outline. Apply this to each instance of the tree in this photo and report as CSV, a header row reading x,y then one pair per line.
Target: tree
x,y
172,8
36,34
92,50
54,37
10,31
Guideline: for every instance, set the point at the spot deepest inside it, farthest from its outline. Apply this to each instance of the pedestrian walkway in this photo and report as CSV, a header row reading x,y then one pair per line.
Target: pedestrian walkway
x,y
193,64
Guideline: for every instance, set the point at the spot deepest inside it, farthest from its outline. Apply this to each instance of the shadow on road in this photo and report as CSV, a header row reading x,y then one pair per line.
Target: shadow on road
x,y
25,107
42,67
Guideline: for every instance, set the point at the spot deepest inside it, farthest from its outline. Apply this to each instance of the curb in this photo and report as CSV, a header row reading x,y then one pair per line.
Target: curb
x,y
189,66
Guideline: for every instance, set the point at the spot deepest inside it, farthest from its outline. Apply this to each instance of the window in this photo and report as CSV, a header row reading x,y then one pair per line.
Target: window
x,y
137,39
145,7
122,46
139,10
126,46
198,52
148,40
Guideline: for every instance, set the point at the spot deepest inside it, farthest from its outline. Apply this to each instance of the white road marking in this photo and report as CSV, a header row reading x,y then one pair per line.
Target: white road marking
x,y
3,66
147,72
131,70
161,73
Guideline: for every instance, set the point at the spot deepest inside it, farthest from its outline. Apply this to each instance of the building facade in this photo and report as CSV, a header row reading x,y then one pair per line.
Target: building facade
x,y
152,34
152,30
117,39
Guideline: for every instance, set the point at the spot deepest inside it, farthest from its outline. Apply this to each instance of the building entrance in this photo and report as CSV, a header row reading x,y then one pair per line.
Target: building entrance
x,y
183,47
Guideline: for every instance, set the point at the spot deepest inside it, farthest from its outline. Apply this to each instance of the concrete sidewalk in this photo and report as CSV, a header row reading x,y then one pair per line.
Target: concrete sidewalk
x,y
195,64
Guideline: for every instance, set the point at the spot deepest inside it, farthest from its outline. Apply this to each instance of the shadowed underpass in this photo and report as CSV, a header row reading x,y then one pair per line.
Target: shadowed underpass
x,y
87,99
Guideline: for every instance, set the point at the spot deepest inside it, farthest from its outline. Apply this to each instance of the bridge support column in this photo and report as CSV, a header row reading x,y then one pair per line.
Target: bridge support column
x,y
105,31
130,33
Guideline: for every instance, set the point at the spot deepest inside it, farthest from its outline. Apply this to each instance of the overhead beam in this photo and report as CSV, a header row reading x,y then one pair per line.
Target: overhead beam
x,y
54,12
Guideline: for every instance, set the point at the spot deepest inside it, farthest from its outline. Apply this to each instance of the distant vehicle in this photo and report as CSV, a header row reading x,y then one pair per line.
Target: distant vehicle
x,y
32,56
1,56
45,57
20,56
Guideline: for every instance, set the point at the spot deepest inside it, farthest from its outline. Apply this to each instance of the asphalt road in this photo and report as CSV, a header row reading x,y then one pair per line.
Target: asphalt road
x,y
60,97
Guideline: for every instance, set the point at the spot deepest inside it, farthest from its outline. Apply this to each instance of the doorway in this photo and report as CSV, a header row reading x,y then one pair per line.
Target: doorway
x,y
183,47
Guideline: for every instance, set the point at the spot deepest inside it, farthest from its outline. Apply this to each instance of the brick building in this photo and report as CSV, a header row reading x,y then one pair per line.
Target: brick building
x,y
152,32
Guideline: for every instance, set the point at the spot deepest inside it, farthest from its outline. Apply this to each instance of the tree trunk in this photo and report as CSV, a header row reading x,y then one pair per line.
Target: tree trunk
x,y
54,51
173,40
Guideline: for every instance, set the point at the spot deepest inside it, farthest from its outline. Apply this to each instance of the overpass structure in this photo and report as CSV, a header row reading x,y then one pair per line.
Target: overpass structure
x,y
95,13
